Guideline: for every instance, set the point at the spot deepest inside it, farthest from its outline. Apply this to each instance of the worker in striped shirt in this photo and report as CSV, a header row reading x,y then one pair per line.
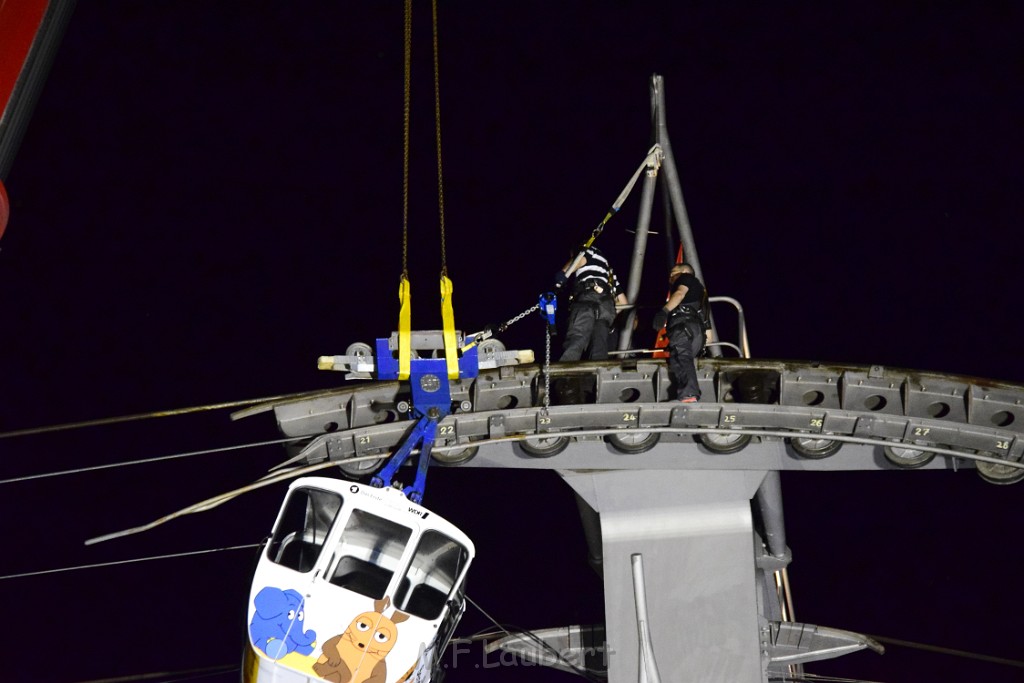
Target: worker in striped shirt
x,y
595,291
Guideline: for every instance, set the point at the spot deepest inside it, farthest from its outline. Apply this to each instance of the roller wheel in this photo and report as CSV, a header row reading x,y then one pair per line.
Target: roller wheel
x,y
359,349
907,458
455,456
725,443
634,442
358,469
814,447
998,474
489,347
544,446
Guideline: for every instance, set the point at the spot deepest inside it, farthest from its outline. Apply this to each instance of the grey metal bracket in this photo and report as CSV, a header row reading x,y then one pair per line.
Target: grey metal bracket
x,y
789,643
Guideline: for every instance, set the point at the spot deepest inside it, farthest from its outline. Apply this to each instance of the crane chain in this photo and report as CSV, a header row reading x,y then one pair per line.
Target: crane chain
x,y
504,326
547,370
547,351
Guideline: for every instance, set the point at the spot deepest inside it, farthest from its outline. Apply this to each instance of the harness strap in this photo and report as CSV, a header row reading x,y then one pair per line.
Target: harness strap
x,y
652,162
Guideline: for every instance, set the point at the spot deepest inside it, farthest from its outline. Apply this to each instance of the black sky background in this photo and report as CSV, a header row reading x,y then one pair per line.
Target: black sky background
x,y
209,197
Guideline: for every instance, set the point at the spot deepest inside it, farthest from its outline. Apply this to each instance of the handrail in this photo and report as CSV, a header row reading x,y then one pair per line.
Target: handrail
x,y
744,346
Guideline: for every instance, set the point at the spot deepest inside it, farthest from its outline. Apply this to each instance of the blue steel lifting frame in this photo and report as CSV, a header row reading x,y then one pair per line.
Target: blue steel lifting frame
x,y
431,402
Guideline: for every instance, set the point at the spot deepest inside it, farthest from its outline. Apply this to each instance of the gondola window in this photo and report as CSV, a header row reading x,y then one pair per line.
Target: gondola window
x,y
302,530
434,569
370,552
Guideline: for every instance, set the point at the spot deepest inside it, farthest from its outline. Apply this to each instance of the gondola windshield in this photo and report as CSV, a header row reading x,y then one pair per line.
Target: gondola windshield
x,y
369,552
435,567
303,527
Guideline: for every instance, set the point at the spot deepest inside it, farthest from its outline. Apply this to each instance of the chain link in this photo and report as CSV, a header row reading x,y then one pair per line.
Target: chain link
x,y
407,96
437,133
547,370
547,351
513,321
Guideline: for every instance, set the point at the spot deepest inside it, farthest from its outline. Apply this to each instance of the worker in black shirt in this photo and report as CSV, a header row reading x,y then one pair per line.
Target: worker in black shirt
x,y
595,292
683,317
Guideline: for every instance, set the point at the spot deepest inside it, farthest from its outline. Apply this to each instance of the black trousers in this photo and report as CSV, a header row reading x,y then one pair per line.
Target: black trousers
x,y
590,325
685,340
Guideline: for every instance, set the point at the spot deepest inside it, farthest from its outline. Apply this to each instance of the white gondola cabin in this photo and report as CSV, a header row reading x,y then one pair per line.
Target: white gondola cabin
x,y
356,584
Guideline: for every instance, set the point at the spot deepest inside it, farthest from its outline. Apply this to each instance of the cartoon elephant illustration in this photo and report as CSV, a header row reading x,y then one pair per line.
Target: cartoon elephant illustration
x,y
276,627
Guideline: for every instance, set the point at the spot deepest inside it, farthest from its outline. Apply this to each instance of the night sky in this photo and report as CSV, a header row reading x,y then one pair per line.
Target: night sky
x,y
209,197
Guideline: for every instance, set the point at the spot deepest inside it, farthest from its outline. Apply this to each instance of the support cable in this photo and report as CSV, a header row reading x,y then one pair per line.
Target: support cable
x,y
32,431
584,672
135,560
144,461
1017,663
210,503
808,678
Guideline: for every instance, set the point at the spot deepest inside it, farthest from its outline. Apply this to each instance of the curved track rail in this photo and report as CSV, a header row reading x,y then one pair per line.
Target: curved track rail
x,y
801,416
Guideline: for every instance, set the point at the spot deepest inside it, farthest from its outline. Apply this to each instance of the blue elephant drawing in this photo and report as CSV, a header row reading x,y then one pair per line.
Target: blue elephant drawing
x,y
276,627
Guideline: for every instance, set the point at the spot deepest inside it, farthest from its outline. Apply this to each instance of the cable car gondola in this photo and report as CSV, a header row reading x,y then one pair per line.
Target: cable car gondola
x,y
356,583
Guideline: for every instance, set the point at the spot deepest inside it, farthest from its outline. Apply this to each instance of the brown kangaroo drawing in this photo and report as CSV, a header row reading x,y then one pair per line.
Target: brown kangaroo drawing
x,y
357,655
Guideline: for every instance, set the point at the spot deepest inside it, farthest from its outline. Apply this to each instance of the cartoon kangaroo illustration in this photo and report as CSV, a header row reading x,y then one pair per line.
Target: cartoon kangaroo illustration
x,y
357,655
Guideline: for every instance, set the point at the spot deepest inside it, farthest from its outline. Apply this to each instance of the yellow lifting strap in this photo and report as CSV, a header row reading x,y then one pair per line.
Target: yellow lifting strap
x,y
451,345
404,328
